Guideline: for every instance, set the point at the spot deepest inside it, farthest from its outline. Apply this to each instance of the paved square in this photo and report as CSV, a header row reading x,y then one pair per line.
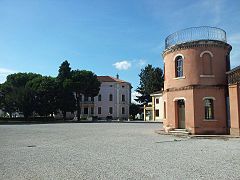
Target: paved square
x,y
112,151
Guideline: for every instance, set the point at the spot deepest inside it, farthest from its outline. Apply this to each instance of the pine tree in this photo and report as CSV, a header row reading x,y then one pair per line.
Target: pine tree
x,y
151,80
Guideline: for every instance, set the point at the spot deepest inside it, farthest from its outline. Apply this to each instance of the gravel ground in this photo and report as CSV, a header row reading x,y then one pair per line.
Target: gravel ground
x,y
112,151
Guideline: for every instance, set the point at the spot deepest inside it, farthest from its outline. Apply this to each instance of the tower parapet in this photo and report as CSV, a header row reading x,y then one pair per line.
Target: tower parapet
x,y
195,34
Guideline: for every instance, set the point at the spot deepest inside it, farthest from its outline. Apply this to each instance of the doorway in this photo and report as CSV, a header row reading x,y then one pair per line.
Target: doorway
x,y
181,113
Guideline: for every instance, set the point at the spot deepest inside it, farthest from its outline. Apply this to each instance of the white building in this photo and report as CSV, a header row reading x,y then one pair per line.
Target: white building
x,y
113,100
154,111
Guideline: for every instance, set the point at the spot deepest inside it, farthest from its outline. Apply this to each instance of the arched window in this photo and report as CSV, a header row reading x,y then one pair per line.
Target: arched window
x,y
208,106
207,67
164,72
164,110
207,64
228,67
110,97
179,66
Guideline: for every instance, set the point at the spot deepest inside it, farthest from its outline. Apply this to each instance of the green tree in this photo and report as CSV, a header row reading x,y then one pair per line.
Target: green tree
x,y
151,80
83,82
65,96
45,89
8,99
25,101
20,79
64,71
134,109
16,96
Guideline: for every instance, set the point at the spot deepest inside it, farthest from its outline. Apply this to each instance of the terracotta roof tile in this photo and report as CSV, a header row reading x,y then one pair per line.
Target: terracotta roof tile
x,y
109,79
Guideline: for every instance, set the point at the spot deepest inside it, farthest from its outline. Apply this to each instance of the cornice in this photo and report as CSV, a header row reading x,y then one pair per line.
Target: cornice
x,y
200,43
195,87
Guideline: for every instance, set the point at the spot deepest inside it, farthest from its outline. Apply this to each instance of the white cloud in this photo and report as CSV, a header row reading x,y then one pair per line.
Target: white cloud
x,y
134,96
122,65
142,62
4,72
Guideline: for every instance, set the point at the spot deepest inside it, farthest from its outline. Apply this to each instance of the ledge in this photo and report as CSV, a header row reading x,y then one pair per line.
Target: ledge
x,y
196,87
197,43
207,76
183,77
210,120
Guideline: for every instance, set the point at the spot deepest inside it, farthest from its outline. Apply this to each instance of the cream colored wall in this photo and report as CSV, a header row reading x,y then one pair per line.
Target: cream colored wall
x,y
107,88
159,107
154,106
117,90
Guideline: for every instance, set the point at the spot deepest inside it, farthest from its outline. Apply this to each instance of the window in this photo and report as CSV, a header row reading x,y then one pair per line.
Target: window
x,y
164,108
179,66
207,64
92,99
123,97
99,110
110,110
110,97
157,113
85,98
123,110
99,97
164,74
228,67
157,101
123,86
92,110
85,110
209,112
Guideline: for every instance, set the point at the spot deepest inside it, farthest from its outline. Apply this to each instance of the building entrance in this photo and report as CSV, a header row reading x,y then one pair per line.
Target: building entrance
x,y
181,113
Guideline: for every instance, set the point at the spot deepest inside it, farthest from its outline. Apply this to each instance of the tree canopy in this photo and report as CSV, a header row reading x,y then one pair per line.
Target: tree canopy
x,y
134,109
151,80
65,95
17,96
31,93
64,71
83,82
45,91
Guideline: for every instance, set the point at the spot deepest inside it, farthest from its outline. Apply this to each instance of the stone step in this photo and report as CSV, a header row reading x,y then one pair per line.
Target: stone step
x,y
182,130
179,132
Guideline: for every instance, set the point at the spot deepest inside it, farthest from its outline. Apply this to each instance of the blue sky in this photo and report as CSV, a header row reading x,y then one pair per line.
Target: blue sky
x,y
105,36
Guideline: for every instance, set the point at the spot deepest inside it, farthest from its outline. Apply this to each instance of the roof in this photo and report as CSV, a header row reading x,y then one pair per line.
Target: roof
x,y
109,79
233,70
157,93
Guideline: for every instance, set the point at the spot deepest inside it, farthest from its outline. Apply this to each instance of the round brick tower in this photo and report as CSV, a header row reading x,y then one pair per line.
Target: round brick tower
x,y
195,85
